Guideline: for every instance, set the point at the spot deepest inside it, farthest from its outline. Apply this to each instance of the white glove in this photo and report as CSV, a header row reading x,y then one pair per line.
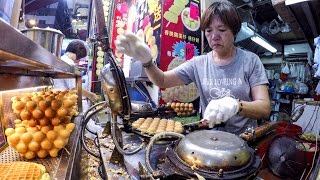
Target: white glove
x,y
220,110
132,46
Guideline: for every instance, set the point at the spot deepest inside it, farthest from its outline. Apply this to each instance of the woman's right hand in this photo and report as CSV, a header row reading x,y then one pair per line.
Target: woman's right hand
x,y
132,46
220,110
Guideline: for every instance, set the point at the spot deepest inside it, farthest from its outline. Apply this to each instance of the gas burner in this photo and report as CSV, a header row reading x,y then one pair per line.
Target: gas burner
x,y
175,167
208,153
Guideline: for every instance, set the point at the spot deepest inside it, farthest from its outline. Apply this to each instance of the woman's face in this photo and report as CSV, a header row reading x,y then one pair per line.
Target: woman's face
x,y
219,36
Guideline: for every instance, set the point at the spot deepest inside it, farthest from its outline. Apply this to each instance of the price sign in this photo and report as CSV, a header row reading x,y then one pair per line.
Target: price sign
x,y
189,51
194,11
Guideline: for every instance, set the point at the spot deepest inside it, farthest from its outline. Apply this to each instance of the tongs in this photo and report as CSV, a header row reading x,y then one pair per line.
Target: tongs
x,y
197,125
201,125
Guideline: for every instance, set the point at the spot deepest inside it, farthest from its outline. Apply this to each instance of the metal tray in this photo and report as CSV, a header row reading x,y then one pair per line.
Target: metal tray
x,y
65,166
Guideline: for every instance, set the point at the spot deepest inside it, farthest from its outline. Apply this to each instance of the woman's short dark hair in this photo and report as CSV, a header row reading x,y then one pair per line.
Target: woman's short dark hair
x,y
227,13
78,48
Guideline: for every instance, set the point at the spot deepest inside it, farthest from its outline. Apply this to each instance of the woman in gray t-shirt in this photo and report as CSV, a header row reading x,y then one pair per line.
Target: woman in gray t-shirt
x,y
232,82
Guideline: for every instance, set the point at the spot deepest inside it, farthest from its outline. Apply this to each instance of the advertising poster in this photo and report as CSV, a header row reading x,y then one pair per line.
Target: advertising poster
x,y
147,25
119,25
180,41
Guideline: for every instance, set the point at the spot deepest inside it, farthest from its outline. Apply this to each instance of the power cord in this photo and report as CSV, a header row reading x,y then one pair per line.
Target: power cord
x,y
315,152
310,119
314,122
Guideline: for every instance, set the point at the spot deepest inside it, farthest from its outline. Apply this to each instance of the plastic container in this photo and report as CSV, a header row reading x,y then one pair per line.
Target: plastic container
x,y
10,10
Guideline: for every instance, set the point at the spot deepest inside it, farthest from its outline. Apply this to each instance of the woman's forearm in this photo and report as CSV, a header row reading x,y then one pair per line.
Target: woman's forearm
x,y
155,75
258,109
163,79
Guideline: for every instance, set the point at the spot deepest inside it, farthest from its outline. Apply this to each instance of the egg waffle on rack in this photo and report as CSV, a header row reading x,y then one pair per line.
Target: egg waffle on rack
x,y
23,171
151,126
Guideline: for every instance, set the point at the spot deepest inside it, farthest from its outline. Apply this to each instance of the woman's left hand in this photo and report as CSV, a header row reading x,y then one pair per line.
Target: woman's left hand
x,y
94,98
220,110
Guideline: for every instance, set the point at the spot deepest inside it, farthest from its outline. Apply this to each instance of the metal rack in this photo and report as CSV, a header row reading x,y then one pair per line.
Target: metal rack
x,y
17,52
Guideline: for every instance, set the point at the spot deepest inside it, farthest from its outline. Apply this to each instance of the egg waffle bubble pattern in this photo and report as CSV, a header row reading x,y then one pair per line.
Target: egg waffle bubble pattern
x,y
23,170
153,126
44,123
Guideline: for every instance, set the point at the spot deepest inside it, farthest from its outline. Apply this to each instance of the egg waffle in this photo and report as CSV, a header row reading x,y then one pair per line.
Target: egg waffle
x,y
153,126
23,171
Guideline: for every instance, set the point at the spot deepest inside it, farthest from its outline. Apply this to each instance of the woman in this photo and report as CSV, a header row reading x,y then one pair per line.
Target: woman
x,y
231,82
75,50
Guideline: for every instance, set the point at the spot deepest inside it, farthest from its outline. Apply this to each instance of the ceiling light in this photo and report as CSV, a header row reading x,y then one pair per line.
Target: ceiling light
x,y
245,32
289,2
248,31
262,42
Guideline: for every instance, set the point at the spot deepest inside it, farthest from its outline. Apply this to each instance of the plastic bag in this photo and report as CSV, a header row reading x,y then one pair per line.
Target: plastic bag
x,y
317,50
285,69
293,71
318,89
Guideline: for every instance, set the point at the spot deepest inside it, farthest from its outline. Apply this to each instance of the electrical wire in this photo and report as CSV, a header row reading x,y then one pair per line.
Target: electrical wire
x,y
103,103
315,152
310,119
85,120
314,122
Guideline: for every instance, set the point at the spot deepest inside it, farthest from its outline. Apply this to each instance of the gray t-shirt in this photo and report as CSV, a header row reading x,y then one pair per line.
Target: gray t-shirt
x,y
217,81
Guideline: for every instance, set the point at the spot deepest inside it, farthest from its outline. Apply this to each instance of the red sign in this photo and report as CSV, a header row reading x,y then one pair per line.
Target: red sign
x,y
194,11
189,51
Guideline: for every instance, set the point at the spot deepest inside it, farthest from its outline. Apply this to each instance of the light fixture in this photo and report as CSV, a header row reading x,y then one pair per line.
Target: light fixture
x,y
30,23
262,42
290,2
247,31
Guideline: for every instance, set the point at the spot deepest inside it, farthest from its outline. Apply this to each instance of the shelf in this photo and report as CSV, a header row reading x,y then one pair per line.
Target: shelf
x,y
290,93
65,166
20,55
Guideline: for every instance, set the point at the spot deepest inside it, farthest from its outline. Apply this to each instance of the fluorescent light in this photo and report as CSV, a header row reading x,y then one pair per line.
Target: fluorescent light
x,y
247,31
244,33
289,2
262,42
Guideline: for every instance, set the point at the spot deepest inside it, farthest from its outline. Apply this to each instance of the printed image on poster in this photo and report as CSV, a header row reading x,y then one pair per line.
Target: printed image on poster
x,y
181,41
147,25
120,26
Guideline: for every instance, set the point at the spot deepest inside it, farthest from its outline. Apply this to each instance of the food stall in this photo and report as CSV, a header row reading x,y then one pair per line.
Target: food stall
x,y
139,140
28,69
142,142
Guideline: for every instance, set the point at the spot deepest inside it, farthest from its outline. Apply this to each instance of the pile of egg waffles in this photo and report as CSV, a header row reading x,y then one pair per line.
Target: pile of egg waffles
x,y
182,109
156,125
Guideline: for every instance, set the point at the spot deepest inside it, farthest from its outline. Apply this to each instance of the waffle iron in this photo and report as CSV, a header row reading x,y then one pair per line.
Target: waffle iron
x,y
208,153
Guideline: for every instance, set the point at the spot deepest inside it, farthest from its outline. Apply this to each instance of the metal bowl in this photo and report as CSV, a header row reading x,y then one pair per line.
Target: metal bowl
x,y
211,150
48,38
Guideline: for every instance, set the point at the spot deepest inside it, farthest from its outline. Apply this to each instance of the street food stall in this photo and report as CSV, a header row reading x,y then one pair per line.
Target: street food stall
x,y
142,142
